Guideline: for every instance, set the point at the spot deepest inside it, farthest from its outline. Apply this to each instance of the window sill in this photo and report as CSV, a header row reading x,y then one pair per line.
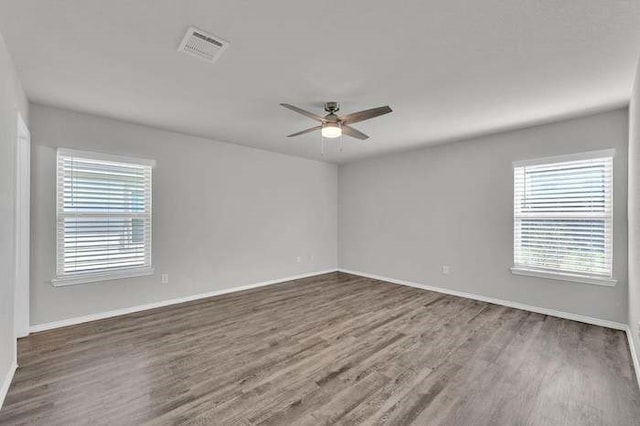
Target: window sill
x,y
90,278
608,282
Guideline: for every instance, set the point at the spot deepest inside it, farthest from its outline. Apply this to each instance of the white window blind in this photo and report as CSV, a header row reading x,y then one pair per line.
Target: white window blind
x,y
563,215
103,216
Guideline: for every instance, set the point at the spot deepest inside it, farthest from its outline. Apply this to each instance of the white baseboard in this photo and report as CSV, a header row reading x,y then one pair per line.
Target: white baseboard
x,y
634,354
516,305
7,382
109,314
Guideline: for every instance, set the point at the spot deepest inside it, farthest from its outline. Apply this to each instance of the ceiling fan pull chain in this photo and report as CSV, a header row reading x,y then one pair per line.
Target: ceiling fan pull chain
x,y
322,145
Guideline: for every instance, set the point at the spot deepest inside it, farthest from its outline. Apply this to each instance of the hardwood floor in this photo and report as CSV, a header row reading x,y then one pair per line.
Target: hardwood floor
x,y
329,349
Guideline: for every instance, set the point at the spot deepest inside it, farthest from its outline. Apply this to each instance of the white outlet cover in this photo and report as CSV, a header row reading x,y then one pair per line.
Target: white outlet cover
x,y
445,269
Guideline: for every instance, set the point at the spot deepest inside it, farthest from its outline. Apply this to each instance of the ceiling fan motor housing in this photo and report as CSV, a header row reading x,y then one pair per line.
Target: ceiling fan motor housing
x,y
331,118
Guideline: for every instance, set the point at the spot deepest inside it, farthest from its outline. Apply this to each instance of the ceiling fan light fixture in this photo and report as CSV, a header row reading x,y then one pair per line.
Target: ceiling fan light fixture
x,y
331,130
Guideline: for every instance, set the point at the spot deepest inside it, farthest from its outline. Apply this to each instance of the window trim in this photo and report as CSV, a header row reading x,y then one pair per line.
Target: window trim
x,y
89,277
589,155
106,157
561,275
102,276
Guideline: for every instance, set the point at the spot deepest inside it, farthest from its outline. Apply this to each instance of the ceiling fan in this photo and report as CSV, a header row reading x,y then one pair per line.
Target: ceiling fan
x,y
333,126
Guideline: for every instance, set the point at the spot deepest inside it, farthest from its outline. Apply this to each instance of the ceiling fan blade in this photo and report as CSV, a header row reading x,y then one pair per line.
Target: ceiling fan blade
x,y
313,129
350,131
303,112
366,114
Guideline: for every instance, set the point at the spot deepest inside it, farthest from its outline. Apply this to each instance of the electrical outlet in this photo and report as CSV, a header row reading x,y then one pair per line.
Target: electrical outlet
x,y
165,278
445,269
299,259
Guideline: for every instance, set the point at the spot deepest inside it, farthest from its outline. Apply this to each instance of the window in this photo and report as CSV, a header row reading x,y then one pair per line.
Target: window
x,y
103,217
563,217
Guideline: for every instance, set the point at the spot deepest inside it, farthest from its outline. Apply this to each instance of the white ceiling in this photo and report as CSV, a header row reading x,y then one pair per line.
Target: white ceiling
x,y
448,68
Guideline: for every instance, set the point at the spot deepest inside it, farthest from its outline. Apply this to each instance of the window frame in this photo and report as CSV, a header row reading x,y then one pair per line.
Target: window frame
x,y
89,277
518,269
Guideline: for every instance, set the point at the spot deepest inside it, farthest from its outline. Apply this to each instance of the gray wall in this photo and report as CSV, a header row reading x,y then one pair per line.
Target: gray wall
x,y
12,100
223,215
405,215
634,213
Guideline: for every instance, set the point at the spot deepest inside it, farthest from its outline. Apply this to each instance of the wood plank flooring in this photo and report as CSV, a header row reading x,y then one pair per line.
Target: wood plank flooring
x,y
332,349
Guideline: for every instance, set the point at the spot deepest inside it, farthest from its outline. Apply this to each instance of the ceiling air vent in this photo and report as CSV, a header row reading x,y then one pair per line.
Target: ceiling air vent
x,y
202,45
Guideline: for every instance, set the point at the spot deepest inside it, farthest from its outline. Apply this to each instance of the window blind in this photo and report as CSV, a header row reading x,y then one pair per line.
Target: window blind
x,y
103,214
563,216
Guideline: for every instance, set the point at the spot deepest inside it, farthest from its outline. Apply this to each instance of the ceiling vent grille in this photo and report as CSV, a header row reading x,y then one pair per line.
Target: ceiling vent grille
x,y
202,45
